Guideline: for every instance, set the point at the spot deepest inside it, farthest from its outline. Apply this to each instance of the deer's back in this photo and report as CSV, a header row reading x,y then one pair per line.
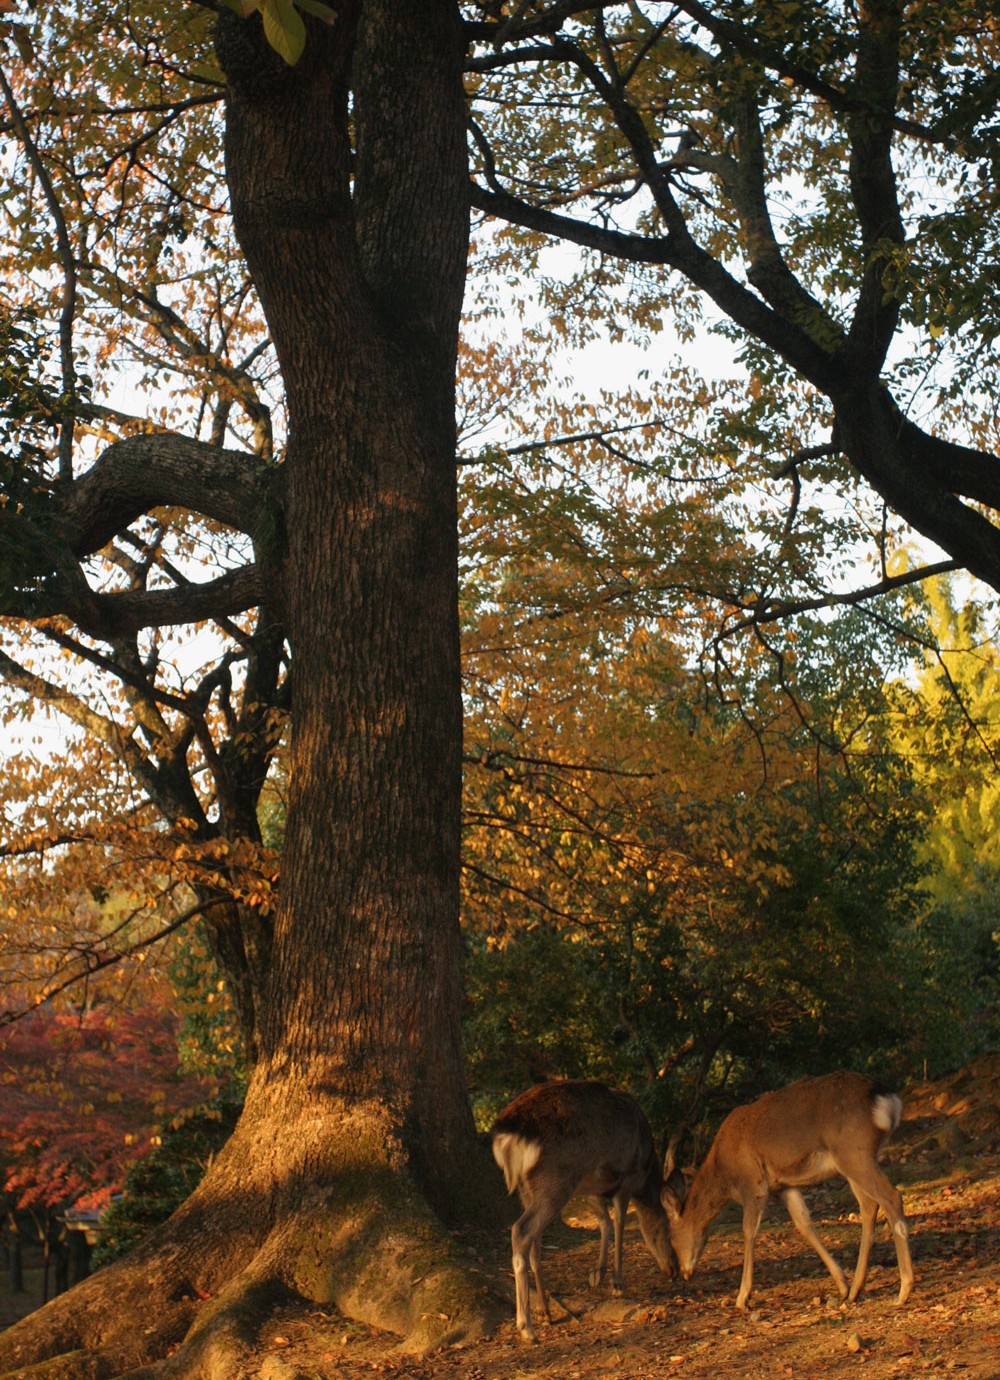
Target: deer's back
x,y
590,1138
807,1131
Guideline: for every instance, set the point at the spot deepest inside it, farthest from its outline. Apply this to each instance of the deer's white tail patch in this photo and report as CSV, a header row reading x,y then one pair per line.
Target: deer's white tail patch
x,y
887,1109
515,1156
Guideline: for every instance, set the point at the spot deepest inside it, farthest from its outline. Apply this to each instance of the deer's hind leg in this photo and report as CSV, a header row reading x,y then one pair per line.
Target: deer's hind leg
x,y
525,1242
619,1207
874,1191
600,1208
753,1211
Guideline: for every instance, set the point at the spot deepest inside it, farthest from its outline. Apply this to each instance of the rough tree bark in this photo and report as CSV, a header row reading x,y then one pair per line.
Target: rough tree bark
x,y
357,1136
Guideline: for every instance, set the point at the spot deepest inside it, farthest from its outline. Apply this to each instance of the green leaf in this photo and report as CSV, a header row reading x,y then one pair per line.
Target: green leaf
x,y
22,40
284,29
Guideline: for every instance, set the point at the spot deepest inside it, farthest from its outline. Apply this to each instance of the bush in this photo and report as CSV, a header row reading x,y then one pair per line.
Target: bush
x,y
157,1185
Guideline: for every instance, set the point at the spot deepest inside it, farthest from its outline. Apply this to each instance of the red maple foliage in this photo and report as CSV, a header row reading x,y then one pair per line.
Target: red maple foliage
x,y
84,1095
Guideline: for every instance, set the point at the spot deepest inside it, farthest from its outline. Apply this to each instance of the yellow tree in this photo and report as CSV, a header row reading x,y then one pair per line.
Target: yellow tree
x,y
945,726
948,726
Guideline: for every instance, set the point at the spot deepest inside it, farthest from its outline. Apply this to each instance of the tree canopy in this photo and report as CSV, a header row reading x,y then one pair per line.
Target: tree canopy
x,y
239,438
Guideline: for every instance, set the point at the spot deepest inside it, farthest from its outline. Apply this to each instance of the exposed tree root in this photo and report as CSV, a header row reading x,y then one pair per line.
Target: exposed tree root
x,y
189,1304
400,1276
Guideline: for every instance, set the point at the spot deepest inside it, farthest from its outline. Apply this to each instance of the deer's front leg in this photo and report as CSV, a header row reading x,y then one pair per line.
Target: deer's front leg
x,y
753,1211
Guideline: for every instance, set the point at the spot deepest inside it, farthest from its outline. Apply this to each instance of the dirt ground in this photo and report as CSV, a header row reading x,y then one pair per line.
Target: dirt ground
x,y
946,1160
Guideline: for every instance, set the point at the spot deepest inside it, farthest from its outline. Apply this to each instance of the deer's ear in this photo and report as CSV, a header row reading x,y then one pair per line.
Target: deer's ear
x,y
670,1156
673,1193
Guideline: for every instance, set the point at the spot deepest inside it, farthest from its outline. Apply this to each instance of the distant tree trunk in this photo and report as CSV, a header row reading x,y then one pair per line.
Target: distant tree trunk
x,y
15,1257
357,1122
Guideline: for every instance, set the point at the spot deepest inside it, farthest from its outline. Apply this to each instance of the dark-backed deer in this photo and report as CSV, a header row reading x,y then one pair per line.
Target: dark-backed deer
x,y
563,1139
799,1135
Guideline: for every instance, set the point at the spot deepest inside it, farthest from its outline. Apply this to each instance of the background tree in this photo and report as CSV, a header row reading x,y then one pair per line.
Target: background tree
x,y
662,889
310,467
946,725
774,161
84,1095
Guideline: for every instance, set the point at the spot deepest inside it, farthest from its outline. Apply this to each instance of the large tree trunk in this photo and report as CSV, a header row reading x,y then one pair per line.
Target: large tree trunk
x,y
363,295
356,1137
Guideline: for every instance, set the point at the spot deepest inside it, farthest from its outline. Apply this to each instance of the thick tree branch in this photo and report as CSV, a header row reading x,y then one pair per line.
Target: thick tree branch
x,y
170,471
111,616
873,180
766,266
134,476
975,474
868,428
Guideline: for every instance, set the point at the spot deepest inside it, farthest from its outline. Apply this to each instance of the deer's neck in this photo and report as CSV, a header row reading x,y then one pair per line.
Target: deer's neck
x,y
707,1195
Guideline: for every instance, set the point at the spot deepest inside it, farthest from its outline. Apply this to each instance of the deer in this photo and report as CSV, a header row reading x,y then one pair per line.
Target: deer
x,y
572,1138
803,1134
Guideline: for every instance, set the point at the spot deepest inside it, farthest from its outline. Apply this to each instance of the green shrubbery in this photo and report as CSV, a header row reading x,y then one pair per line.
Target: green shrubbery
x,y
157,1185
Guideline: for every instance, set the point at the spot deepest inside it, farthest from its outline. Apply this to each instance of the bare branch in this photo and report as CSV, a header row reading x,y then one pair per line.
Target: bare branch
x,y
775,610
736,37
233,381
91,962
105,730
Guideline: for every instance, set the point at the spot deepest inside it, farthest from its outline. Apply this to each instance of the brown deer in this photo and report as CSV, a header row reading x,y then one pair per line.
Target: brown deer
x,y
803,1134
568,1138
